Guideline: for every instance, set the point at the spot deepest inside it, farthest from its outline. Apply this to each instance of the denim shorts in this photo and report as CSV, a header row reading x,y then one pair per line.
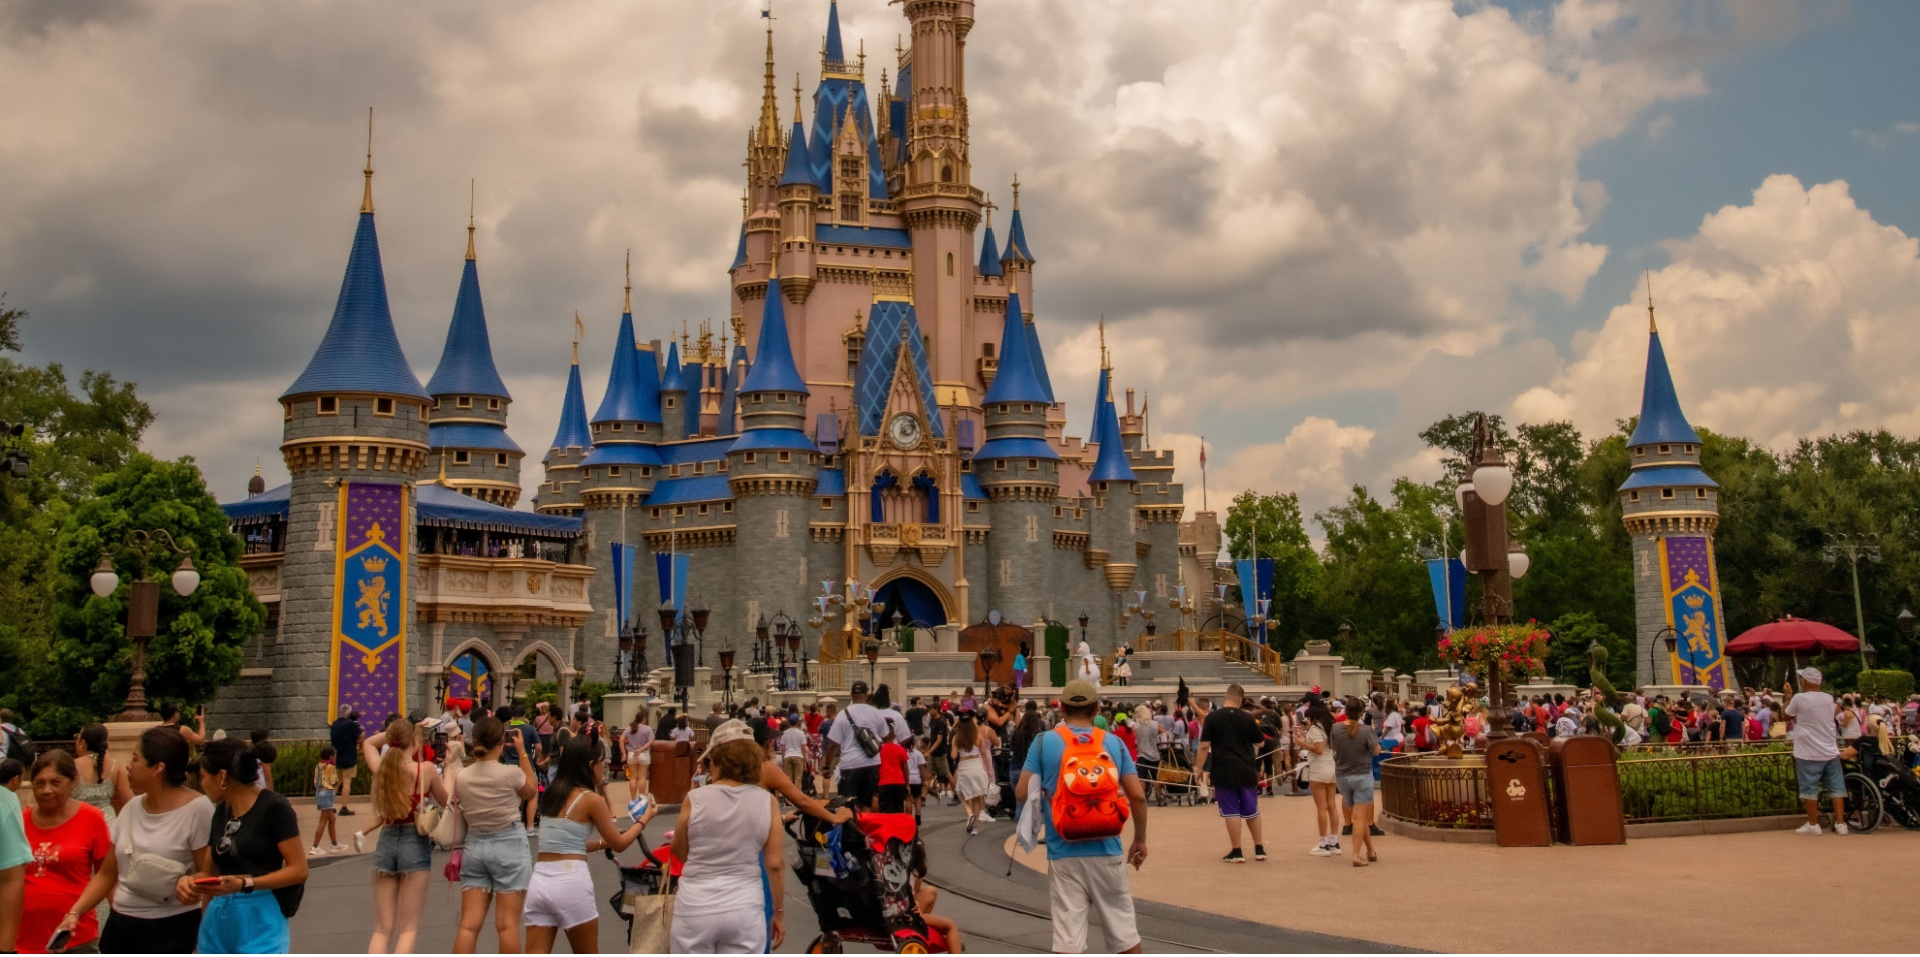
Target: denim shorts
x,y
402,850
1355,789
1813,774
497,862
323,799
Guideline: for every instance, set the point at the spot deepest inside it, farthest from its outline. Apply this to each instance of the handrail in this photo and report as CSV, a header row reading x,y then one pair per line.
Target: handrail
x,y
1239,648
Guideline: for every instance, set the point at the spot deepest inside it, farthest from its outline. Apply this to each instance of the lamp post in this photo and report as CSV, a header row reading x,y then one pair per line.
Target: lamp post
x,y
1672,640
871,647
787,633
1491,553
1853,548
726,668
143,607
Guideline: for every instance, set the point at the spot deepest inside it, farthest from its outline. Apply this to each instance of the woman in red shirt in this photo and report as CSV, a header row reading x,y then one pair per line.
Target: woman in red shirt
x,y
69,841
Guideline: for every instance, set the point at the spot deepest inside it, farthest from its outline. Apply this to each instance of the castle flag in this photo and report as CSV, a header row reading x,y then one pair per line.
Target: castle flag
x,y
368,660
1686,572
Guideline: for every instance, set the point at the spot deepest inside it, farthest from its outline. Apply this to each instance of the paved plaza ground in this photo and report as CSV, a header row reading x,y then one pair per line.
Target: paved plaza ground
x,y
1764,891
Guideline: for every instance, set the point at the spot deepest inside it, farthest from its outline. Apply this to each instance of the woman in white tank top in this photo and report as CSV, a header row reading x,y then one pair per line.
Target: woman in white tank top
x,y
731,897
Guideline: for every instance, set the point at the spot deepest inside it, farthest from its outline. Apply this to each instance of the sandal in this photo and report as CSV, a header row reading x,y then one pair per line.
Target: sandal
x,y
1371,857
1359,863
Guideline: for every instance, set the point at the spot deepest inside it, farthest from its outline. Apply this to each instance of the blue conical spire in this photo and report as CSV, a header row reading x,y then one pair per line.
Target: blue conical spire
x,y
360,352
990,256
573,431
730,379
1014,381
625,401
675,379
834,52
773,369
1112,465
1039,359
466,364
1017,248
799,168
1660,417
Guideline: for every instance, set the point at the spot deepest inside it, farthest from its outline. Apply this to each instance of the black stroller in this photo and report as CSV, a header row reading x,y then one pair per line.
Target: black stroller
x,y
1878,785
857,877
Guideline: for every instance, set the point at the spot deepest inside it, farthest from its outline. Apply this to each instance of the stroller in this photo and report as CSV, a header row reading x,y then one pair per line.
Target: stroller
x,y
656,872
857,877
1880,785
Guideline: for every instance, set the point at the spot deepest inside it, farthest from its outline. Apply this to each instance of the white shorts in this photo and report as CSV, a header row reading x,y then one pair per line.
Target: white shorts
x,y
741,930
1079,885
561,895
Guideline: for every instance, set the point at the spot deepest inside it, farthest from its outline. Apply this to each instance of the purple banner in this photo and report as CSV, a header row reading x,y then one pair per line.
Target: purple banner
x,y
1687,568
370,602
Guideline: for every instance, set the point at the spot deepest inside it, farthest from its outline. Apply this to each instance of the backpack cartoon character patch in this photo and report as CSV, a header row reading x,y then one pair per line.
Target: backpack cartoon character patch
x,y
1088,803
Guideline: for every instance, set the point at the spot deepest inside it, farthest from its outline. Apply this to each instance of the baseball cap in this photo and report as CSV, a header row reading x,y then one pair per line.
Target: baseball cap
x,y
858,687
731,730
1078,694
1809,674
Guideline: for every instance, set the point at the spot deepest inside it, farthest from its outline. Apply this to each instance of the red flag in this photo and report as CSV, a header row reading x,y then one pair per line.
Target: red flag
x,y
1203,456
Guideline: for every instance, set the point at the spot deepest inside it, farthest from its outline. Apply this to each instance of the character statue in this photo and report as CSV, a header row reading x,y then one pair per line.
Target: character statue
x,y
1452,723
1606,701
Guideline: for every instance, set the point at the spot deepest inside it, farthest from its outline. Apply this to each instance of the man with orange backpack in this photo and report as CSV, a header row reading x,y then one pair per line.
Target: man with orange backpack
x,y
1092,789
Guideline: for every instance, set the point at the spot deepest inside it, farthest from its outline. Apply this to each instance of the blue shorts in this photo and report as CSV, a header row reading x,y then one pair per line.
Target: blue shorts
x,y
1814,774
244,924
498,862
402,850
323,800
1355,789
1242,803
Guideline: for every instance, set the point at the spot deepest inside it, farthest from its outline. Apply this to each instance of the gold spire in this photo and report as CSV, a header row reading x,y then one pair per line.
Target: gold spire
x,y
579,332
1652,328
1016,191
1105,361
366,198
989,207
796,98
773,268
470,192
769,108
629,303
686,341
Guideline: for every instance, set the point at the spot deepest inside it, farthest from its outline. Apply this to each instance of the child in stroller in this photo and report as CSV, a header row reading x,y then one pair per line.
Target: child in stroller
x,y
859,879
1899,789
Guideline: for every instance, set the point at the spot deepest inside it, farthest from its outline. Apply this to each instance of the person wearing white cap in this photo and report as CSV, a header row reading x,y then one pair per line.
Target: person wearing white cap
x,y
731,898
1812,723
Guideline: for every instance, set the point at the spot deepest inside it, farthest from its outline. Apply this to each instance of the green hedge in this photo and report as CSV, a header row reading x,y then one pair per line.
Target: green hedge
x,y
293,769
1893,685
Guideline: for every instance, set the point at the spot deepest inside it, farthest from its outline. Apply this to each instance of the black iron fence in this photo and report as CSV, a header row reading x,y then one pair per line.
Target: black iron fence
x,y
1432,792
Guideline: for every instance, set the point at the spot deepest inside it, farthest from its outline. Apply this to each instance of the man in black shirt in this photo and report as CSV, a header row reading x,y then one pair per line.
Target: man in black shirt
x,y
938,734
344,735
1232,737
916,717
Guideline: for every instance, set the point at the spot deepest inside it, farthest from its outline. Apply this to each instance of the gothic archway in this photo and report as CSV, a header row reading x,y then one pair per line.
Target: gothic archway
x,y
562,674
913,598
472,672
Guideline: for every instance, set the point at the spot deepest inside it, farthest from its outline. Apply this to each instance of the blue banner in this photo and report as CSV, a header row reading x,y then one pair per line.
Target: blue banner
x,y
1449,577
623,558
1257,600
671,572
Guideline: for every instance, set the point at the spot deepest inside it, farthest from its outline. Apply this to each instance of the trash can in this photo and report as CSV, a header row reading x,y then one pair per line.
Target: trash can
x,y
1586,773
670,776
1517,786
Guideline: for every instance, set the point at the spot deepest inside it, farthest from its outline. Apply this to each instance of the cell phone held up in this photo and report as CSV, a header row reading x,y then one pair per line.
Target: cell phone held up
x,y
58,942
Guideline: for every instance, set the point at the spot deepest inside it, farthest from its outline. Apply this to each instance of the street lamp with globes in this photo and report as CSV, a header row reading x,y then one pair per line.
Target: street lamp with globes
x,y
143,608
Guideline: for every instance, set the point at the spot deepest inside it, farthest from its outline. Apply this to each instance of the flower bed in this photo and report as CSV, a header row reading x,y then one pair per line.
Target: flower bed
x,y
1511,652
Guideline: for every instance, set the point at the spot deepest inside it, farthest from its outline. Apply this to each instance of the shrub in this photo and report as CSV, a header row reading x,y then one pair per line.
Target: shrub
x,y
293,769
1892,685
594,691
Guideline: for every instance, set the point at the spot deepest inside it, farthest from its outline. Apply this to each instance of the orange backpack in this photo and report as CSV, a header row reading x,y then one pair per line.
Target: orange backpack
x,y
1087,801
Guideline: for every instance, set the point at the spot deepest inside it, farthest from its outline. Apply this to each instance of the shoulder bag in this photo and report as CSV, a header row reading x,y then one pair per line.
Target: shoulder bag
x,y
450,830
151,875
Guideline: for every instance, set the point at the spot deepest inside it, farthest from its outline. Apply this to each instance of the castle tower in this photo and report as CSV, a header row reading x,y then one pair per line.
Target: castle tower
x,y
1115,491
616,476
355,442
673,397
1017,260
1158,507
560,494
1020,473
468,438
941,206
771,468
1671,508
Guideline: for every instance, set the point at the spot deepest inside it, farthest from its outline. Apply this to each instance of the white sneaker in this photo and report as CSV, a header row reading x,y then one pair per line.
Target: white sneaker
x,y
316,851
359,843
986,818
1321,850
1839,827
338,849
1812,830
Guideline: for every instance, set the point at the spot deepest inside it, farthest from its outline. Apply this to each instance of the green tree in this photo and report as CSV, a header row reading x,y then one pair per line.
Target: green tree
x,y
198,648
1573,634
1274,523
1375,578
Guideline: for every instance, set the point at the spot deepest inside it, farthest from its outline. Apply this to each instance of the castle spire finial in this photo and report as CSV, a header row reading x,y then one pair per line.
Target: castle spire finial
x,y
769,107
366,198
628,306
579,332
472,187
1106,362
796,97
1652,327
989,207
1016,191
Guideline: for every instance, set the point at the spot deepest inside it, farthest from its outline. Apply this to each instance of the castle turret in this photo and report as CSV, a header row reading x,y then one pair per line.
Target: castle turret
x,y
1671,508
470,447
673,397
560,493
1020,473
1158,507
355,442
1017,259
1114,489
939,203
771,467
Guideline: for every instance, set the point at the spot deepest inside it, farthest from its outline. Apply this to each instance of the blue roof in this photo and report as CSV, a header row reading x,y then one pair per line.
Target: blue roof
x,y
623,453
573,431
740,254
633,392
829,482
890,324
437,506
1112,465
990,256
1039,359
897,111
1652,476
699,450
1016,447
466,364
834,52
970,487
797,172
700,488
1017,248
773,369
836,102
730,376
1660,417
879,237
470,435
360,352
761,440
675,379
1015,380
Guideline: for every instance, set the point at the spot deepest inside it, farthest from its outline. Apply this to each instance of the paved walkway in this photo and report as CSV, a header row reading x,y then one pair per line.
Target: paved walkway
x,y
1767,891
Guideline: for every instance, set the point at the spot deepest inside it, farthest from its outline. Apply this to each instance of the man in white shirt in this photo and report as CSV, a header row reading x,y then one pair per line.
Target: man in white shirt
x,y
859,771
1812,724
793,751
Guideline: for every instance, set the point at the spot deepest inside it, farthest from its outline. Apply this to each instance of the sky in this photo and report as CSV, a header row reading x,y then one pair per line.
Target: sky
x,y
1313,227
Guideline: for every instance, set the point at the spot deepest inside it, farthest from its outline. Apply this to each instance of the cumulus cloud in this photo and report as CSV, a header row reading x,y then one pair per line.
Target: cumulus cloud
x,y
1796,314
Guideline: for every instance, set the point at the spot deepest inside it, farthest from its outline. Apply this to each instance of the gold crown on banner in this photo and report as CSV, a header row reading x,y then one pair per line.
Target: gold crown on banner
x,y
374,564
1695,602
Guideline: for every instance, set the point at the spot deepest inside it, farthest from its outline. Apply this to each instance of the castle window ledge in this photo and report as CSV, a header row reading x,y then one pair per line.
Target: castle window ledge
x,y
256,672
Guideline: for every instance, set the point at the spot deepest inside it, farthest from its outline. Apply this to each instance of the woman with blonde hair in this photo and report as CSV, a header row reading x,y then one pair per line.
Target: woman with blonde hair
x,y
973,767
403,855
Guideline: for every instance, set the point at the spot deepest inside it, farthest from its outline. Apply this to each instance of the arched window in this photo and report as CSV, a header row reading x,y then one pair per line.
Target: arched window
x,y
949,264
946,174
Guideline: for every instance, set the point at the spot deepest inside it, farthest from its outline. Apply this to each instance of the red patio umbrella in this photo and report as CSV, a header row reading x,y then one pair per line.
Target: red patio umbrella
x,y
1793,636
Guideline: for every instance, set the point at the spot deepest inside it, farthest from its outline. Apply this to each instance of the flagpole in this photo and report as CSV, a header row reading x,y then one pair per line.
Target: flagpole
x,y
1203,473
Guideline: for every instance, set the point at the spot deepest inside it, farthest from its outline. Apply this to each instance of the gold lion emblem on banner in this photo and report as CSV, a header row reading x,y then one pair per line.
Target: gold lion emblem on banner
x,y
373,604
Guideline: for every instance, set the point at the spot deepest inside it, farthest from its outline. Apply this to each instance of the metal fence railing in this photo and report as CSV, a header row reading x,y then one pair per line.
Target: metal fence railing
x,y
1420,790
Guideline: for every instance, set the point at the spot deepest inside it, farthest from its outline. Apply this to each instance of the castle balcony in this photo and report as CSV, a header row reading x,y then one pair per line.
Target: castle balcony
x,y
500,591
263,574
886,540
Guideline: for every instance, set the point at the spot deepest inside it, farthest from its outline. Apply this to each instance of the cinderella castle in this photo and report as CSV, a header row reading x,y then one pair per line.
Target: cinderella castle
x,y
891,437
